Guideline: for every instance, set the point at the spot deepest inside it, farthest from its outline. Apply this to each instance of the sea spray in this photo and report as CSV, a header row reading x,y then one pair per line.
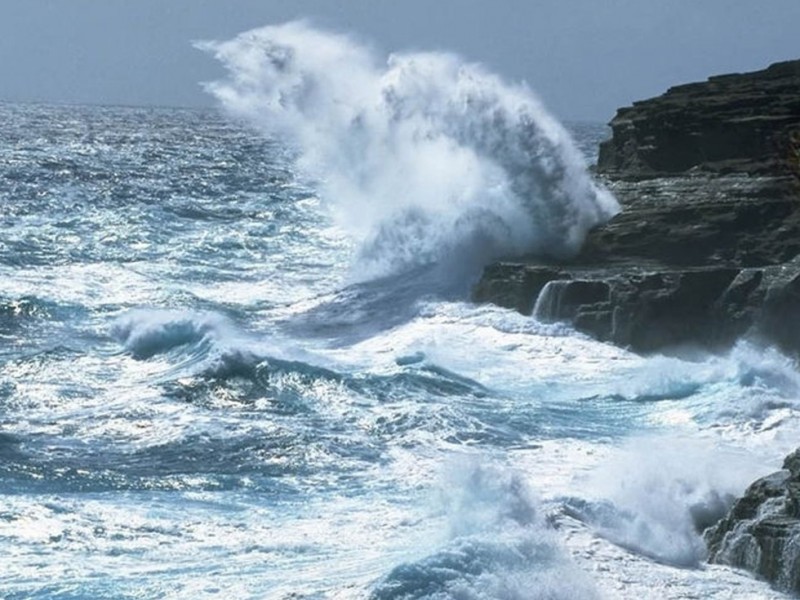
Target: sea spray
x,y
423,158
498,546
658,494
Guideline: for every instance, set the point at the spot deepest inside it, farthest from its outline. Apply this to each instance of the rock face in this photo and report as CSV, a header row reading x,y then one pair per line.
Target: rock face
x,y
740,123
761,533
707,246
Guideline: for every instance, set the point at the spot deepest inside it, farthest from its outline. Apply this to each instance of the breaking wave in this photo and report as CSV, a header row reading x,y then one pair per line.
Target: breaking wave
x,y
423,158
499,547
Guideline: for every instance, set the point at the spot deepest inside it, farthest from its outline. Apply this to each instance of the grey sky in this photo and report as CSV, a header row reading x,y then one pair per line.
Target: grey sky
x,y
585,58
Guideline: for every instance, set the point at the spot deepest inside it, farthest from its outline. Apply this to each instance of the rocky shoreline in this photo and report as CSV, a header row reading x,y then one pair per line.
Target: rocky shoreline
x,y
706,248
705,251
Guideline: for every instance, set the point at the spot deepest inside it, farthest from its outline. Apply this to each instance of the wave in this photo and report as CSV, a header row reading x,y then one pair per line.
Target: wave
x,y
210,348
499,547
749,387
423,158
147,333
362,310
659,494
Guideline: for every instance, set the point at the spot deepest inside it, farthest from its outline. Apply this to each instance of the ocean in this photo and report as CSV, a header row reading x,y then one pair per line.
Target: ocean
x,y
238,356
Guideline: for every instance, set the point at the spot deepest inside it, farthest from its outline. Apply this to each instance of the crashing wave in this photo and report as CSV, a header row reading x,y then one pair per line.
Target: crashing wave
x,y
423,158
499,546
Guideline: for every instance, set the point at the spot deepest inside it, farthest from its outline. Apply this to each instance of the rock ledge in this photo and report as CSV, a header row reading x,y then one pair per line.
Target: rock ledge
x,y
707,246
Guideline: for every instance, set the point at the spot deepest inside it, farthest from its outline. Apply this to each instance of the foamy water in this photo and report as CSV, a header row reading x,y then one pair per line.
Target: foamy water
x,y
206,390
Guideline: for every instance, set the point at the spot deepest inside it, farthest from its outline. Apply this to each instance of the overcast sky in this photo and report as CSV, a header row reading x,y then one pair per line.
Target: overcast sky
x,y
585,58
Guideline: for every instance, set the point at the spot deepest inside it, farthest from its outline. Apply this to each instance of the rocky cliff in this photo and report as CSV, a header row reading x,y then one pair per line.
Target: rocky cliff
x,y
739,123
706,250
707,246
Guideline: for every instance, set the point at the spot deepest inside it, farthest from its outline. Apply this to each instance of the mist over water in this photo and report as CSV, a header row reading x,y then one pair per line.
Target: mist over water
x,y
422,157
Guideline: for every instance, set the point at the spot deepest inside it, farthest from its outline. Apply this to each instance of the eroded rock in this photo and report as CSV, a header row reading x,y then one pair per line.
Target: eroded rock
x,y
705,249
742,123
761,533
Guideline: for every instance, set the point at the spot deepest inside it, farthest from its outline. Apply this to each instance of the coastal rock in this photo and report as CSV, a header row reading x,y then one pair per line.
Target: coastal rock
x,y
706,247
650,307
743,123
761,533
513,285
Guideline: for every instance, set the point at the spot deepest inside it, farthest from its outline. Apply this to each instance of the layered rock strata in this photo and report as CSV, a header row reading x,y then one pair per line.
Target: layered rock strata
x,y
707,246
738,123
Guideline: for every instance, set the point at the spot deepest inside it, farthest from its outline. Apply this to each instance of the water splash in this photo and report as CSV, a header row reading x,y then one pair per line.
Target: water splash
x,y
499,547
658,494
423,158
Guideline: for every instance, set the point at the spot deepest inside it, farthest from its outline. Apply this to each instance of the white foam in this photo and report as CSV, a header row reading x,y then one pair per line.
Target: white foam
x,y
657,494
496,544
422,157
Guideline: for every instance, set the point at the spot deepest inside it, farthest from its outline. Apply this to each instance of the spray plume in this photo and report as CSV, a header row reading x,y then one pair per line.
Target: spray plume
x,y
423,158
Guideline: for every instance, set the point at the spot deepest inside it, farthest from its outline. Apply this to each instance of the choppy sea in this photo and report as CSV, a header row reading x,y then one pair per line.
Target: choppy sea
x,y
209,389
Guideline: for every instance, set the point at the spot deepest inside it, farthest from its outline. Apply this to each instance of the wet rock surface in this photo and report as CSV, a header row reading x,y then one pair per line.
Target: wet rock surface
x,y
761,533
707,246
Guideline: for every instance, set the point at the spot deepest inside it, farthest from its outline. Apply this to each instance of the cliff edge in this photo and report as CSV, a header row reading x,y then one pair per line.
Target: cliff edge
x,y
706,250
707,247
761,533
738,123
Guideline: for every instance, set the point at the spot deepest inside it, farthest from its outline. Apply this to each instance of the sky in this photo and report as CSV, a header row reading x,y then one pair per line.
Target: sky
x,y
584,58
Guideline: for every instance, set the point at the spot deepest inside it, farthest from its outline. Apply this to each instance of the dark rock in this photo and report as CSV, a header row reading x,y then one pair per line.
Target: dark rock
x,y
761,533
700,220
740,123
705,249
642,308
792,464
513,285
649,306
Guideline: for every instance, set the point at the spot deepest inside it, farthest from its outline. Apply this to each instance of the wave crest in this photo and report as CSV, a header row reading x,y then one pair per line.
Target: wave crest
x,y
500,547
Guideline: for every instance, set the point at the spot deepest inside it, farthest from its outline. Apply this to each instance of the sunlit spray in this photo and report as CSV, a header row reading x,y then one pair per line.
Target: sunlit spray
x,y
423,158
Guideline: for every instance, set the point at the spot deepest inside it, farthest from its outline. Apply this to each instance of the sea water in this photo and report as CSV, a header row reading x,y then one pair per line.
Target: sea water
x,y
238,357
